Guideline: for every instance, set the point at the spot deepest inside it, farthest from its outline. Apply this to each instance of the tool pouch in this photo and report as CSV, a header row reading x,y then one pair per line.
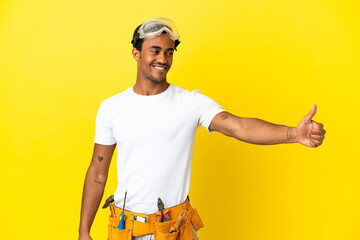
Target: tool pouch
x,y
161,230
116,234
187,229
196,220
191,224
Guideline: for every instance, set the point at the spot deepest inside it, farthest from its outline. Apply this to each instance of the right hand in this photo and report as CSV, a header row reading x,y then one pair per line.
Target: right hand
x,y
310,133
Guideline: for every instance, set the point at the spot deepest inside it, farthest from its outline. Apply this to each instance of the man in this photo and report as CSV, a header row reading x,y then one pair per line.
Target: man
x,y
153,124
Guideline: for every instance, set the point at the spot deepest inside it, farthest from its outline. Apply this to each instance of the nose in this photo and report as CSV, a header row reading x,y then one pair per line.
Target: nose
x,y
161,58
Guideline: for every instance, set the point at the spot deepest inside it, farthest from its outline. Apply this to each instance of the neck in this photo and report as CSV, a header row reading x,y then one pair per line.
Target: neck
x,y
150,87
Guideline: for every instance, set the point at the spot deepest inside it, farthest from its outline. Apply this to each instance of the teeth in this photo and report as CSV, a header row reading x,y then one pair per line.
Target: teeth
x,y
161,68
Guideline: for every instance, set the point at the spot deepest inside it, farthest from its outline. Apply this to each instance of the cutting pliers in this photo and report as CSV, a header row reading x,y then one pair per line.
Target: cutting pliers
x,y
162,211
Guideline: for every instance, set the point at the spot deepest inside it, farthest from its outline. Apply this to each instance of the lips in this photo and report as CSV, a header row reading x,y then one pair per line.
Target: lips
x,y
160,68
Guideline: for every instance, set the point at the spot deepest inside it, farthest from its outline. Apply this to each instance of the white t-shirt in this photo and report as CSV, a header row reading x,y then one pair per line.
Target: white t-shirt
x,y
154,137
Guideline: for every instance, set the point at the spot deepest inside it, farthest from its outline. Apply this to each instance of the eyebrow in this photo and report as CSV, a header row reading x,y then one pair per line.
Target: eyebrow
x,y
157,47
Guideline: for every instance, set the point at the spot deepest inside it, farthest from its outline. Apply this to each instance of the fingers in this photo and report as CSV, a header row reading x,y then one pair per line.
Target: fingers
x,y
316,128
317,135
315,143
311,114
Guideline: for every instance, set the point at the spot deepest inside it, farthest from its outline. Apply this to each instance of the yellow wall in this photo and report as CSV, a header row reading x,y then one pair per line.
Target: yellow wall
x,y
267,59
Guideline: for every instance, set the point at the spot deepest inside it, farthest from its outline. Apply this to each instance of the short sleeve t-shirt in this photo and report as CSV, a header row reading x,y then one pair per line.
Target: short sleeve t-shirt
x,y
154,136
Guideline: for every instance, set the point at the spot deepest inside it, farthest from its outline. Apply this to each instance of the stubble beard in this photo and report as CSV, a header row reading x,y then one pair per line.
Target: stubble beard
x,y
155,80
152,78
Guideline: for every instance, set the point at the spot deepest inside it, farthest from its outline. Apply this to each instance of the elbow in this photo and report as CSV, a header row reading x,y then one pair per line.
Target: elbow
x,y
100,175
241,131
100,179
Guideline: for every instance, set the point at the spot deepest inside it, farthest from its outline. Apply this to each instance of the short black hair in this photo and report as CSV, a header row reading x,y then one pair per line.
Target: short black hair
x,y
137,41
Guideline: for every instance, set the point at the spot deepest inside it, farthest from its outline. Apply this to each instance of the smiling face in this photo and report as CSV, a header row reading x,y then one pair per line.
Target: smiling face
x,y
155,58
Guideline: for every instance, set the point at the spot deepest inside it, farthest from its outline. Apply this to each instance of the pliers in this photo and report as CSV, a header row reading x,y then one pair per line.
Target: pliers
x,y
162,211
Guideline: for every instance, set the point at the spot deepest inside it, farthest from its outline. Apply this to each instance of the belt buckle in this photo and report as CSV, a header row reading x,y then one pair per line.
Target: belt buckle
x,y
140,219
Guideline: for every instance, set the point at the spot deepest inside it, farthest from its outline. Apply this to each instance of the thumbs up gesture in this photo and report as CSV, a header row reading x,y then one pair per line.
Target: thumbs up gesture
x,y
309,132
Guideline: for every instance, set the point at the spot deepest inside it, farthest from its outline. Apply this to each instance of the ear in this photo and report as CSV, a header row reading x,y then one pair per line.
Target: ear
x,y
136,54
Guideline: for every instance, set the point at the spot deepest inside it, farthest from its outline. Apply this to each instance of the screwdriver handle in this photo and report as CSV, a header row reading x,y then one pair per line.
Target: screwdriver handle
x,y
172,229
121,225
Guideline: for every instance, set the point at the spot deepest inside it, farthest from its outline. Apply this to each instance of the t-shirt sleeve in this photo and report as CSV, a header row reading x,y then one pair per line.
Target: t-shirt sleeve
x,y
103,132
207,109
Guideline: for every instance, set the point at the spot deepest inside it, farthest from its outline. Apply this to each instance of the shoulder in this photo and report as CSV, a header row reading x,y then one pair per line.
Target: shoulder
x,y
193,97
184,92
114,100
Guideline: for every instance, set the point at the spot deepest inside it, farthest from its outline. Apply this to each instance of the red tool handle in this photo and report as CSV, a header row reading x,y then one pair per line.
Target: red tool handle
x,y
166,214
159,216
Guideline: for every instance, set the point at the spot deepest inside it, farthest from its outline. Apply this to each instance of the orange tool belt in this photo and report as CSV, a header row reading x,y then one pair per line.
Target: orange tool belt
x,y
133,227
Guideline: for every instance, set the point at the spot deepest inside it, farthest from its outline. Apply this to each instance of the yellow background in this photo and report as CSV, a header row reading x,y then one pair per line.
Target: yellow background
x,y
267,59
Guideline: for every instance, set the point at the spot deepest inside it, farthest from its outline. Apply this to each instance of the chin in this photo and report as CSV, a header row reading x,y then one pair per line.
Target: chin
x,y
157,80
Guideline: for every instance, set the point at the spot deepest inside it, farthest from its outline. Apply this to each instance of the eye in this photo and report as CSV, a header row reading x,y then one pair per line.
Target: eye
x,y
170,53
155,51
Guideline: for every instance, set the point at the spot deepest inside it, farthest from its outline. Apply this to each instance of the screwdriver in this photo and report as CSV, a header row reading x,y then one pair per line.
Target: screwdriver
x,y
121,225
174,228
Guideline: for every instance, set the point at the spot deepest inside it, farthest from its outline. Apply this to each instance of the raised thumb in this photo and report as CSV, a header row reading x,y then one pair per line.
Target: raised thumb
x,y
311,114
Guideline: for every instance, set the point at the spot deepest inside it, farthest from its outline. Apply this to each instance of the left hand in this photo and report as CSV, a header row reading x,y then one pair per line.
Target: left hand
x,y
309,132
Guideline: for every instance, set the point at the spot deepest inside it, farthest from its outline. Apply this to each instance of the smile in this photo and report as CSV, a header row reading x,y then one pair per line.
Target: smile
x,y
159,68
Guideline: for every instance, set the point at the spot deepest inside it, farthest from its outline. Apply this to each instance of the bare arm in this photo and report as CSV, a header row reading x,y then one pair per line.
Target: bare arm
x,y
257,131
94,185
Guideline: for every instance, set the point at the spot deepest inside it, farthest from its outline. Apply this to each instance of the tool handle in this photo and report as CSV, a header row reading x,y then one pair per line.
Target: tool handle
x,y
172,229
112,210
166,214
121,225
159,216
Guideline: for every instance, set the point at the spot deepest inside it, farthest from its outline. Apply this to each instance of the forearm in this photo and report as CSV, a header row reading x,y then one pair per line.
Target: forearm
x,y
92,194
261,132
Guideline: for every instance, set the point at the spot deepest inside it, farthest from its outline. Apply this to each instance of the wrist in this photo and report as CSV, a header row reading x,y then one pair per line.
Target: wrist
x,y
84,232
291,135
